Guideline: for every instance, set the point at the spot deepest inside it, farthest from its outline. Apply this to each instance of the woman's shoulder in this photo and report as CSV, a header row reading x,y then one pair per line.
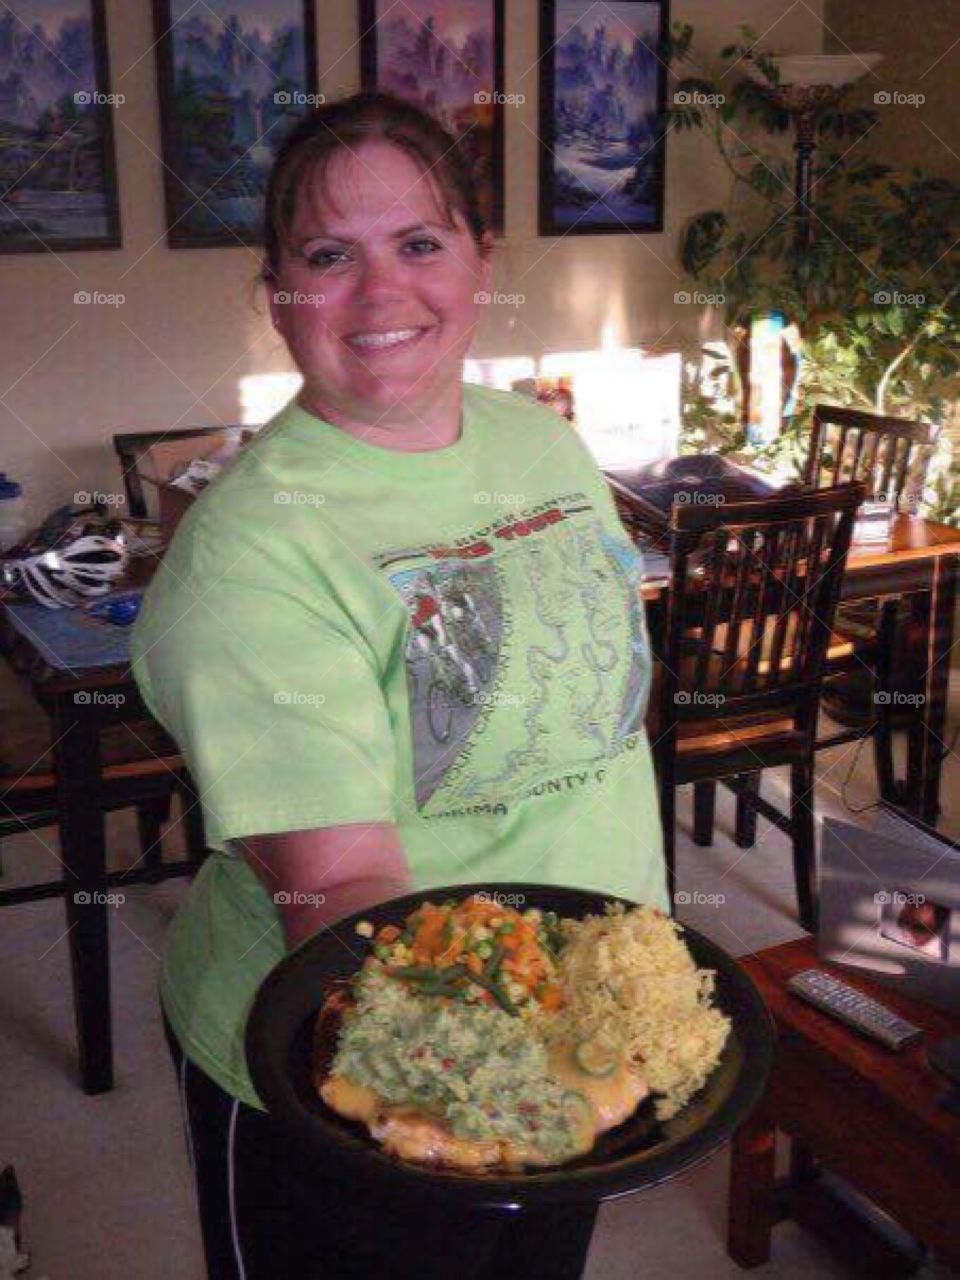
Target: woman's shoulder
x,y
508,409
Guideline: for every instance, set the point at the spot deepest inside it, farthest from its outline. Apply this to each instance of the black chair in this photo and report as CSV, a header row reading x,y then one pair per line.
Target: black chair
x,y
753,594
891,456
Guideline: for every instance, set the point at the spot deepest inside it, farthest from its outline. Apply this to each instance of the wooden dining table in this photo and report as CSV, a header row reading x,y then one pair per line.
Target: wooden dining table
x,y
921,559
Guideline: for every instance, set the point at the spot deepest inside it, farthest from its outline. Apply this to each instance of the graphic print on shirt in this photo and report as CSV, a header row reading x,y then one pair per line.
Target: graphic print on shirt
x,y
526,654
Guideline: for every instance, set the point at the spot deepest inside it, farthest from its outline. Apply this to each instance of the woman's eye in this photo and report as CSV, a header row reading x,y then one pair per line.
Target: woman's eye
x,y
324,258
423,246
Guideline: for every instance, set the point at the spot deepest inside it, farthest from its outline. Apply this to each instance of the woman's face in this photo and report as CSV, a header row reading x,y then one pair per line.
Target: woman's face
x,y
376,295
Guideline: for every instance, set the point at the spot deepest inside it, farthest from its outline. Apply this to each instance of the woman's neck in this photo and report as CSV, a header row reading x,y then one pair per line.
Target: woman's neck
x,y
399,429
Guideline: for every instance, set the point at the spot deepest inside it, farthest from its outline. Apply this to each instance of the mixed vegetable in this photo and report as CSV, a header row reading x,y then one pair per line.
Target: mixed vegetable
x,y
478,950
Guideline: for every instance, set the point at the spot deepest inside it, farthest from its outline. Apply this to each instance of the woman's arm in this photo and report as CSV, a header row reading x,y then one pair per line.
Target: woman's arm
x,y
325,874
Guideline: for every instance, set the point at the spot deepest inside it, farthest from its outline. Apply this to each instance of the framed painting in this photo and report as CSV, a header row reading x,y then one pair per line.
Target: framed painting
x,y
234,76
447,56
58,175
602,116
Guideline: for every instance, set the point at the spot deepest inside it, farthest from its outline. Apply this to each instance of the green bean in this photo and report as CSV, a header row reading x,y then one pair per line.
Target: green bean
x,y
495,959
498,993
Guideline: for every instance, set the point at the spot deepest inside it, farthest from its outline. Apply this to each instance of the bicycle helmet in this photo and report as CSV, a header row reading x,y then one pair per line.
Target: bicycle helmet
x,y
74,554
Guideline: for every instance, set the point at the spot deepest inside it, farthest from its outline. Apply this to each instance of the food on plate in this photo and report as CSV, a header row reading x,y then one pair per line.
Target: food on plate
x,y
464,1041
630,983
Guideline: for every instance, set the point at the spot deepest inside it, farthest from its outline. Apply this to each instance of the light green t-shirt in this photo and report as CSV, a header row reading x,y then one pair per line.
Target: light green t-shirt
x,y
452,641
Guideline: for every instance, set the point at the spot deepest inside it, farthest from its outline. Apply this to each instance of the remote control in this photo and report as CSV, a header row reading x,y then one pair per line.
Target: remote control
x,y
854,1008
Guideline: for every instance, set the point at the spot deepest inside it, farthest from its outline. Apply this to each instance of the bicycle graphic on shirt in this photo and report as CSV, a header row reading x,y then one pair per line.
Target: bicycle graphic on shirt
x,y
449,635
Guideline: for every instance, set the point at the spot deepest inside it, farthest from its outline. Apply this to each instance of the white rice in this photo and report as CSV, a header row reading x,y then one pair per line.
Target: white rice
x,y
630,982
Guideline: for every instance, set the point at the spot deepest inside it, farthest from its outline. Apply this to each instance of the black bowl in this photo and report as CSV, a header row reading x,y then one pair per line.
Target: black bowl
x,y
638,1154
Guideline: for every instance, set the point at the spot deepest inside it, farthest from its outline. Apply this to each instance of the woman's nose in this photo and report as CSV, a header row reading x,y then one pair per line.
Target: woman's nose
x,y
380,277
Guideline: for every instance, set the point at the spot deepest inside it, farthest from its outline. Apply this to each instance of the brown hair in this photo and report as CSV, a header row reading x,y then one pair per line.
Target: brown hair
x,y
346,124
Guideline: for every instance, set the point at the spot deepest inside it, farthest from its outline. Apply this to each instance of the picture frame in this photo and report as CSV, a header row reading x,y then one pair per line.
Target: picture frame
x,y
444,55
602,152
58,169
889,890
233,77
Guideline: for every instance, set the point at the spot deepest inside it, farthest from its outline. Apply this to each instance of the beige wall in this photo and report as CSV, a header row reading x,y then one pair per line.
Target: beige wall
x,y
920,43
174,352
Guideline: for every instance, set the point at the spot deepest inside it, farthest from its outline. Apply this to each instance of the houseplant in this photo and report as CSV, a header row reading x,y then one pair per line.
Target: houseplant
x,y
874,285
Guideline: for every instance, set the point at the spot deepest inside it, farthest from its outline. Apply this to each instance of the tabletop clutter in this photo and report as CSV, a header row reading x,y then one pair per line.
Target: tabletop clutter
x,y
78,554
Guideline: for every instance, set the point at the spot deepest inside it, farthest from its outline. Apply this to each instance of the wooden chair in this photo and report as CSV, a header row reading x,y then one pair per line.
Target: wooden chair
x,y
130,446
141,767
891,456
753,594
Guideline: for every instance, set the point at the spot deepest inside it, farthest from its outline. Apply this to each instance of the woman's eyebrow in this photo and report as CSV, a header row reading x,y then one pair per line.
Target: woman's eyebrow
x,y
397,235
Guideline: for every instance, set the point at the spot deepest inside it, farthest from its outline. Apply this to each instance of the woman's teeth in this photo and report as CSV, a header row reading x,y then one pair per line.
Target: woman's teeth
x,y
383,339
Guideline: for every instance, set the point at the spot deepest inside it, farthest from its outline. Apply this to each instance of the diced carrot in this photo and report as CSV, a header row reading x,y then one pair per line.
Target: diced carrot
x,y
550,996
428,941
389,933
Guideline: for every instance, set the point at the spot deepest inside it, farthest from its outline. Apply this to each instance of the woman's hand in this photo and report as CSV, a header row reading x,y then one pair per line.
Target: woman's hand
x,y
316,877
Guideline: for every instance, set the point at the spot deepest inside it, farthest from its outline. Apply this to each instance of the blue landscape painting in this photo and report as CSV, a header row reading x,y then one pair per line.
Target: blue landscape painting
x,y
606,128
235,74
57,185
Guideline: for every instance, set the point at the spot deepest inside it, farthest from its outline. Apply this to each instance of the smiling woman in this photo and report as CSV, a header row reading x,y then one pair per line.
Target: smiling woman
x,y
378,226
400,642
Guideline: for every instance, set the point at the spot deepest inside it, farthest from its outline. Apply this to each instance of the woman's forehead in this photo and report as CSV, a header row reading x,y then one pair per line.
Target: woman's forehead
x,y
376,185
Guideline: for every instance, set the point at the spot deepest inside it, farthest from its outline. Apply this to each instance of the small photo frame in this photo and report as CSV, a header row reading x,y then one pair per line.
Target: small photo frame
x,y
910,919
58,169
447,57
603,77
234,76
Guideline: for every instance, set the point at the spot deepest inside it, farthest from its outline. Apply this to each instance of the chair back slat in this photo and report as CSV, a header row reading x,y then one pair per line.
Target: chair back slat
x,y
754,587
890,456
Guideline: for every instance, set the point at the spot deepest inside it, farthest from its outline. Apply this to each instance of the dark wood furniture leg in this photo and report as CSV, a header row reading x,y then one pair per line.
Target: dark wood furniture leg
x,y
704,806
942,604
745,832
751,1210
83,849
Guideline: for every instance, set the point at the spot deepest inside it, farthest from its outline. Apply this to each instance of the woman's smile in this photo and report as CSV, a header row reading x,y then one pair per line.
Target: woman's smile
x,y
376,342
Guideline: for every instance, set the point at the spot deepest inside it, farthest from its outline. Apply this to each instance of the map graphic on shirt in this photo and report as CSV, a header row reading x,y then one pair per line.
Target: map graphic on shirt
x,y
487,716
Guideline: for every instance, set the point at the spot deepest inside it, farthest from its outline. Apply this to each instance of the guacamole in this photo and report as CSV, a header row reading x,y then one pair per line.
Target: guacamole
x,y
482,1071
